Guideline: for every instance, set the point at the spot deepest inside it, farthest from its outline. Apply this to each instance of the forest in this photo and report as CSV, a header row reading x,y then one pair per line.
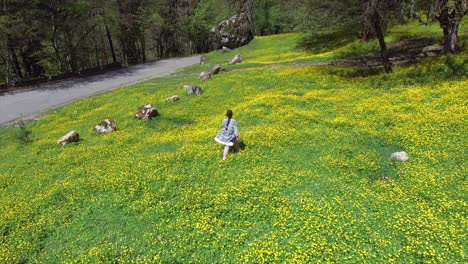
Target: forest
x,y
48,39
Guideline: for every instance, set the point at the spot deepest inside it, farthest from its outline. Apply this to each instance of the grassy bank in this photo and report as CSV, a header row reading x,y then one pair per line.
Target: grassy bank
x,y
305,189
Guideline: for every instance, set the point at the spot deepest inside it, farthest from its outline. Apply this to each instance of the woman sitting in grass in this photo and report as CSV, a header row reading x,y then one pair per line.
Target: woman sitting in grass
x,y
228,133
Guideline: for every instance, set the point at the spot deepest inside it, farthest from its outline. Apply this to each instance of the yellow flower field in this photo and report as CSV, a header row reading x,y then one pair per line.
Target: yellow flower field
x,y
305,189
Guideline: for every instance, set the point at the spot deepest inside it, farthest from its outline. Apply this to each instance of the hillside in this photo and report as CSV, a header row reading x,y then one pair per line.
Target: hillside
x,y
306,188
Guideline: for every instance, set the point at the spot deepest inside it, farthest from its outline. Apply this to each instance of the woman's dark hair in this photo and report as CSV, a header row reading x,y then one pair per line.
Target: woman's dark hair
x,y
229,116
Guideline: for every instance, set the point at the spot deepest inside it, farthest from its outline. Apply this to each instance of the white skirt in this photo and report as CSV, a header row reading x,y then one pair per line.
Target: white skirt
x,y
224,143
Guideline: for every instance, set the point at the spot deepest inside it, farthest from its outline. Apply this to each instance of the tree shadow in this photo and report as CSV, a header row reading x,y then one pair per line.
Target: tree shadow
x,y
326,41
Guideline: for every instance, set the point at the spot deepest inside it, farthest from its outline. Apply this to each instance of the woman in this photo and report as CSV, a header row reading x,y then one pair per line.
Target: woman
x,y
228,134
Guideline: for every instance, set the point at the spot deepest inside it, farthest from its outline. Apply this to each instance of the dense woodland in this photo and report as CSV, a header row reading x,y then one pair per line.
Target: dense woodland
x,y
48,38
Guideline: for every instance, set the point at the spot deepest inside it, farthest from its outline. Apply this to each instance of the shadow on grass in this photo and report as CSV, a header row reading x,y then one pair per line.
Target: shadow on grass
x,y
326,41
428,71
165,123
178,121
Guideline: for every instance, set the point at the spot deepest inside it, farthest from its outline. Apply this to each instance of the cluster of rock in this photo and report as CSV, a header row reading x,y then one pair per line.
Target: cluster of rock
x,y
415,54
400,57
144,113
206,75
105,126
228,35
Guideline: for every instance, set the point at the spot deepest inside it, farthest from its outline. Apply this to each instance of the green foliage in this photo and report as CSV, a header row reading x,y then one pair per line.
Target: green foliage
x,y
457,66
273,17
23,133
202,21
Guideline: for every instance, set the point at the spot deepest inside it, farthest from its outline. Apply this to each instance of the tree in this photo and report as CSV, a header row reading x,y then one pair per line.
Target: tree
x,y
370,17
430,13
245,6
21,41
377,13
202,21
130,30
449,13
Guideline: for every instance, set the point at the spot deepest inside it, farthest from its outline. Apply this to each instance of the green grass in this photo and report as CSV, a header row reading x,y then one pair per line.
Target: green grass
x,y
345,45
305,189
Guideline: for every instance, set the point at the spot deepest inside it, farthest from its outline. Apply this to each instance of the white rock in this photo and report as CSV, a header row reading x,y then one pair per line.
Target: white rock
x,y
172,98
236,59
72,136
400,156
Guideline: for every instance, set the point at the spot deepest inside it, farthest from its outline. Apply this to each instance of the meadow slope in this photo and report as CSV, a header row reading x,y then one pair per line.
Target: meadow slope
x,y
305,189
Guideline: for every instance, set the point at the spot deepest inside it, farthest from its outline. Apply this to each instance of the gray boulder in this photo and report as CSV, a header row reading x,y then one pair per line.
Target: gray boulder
x,y
172,99
204,76
225,49
193,89
231,33
72,136
237,59
203,59
105,126
146,112
432,48
216,69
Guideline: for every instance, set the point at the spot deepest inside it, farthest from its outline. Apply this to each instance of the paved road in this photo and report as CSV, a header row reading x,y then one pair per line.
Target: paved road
x,y
33,102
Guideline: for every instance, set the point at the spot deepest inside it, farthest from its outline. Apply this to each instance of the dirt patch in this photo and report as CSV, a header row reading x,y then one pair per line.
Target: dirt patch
x,y
400,52
404,51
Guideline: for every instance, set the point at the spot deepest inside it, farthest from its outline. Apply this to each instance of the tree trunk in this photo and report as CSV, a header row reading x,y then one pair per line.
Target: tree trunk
x,y
70,50
109,37
55,45
96,50
7,65
366,35
159,48
384,53
411,14
378,30
430,15
449,21
450,39
401,15
124,55
104,50
249,10
14,59
143,48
